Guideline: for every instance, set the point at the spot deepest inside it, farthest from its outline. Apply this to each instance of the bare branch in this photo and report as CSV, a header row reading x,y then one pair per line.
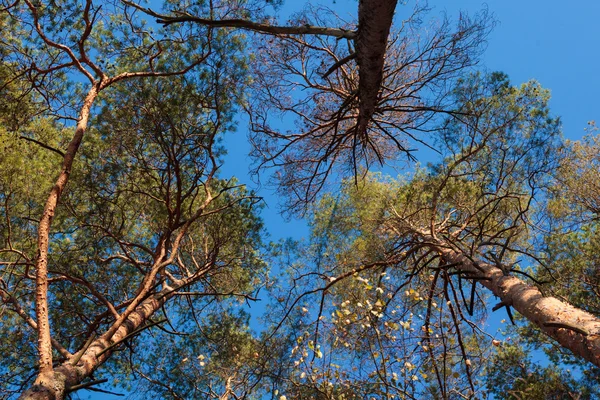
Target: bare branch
x,y
245,24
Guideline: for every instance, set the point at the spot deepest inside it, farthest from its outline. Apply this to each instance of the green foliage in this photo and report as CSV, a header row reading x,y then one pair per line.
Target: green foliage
x,y
200,360
27,168
572,271
513,375
569,249
382,315
576,191
367,308
146,171
145,180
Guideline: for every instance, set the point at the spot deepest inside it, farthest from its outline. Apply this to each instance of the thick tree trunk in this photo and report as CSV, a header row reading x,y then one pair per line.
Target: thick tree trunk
x,y
573,328
67,375
46,376
374,23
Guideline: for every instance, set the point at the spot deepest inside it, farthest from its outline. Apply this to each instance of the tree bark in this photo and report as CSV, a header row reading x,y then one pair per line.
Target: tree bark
x,y
66,375
374,23
573,328
46,375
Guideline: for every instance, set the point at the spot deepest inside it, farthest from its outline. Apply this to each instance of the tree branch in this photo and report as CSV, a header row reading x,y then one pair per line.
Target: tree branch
x,y
45,146
247,25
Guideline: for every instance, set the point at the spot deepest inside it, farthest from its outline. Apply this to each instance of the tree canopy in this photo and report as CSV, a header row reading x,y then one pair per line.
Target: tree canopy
x,y
128,259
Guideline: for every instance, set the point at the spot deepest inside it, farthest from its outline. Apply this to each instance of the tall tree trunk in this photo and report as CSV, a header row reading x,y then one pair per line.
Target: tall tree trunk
x,y
46,374
374,23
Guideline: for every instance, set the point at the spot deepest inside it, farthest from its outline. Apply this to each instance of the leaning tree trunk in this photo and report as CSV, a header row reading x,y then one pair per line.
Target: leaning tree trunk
x,y
571,327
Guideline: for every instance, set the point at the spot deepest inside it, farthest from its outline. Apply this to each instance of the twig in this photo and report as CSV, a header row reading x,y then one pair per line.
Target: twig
x,y
500,305
45,146
86,385
81,352
339,64
563,325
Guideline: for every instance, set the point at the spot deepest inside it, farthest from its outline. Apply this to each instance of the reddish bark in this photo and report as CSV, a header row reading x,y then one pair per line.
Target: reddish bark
x,y
54,382
573,328
56,385
45,376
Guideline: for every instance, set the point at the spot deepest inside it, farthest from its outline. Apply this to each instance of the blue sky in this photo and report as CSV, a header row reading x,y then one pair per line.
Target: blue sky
x,y
550,41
